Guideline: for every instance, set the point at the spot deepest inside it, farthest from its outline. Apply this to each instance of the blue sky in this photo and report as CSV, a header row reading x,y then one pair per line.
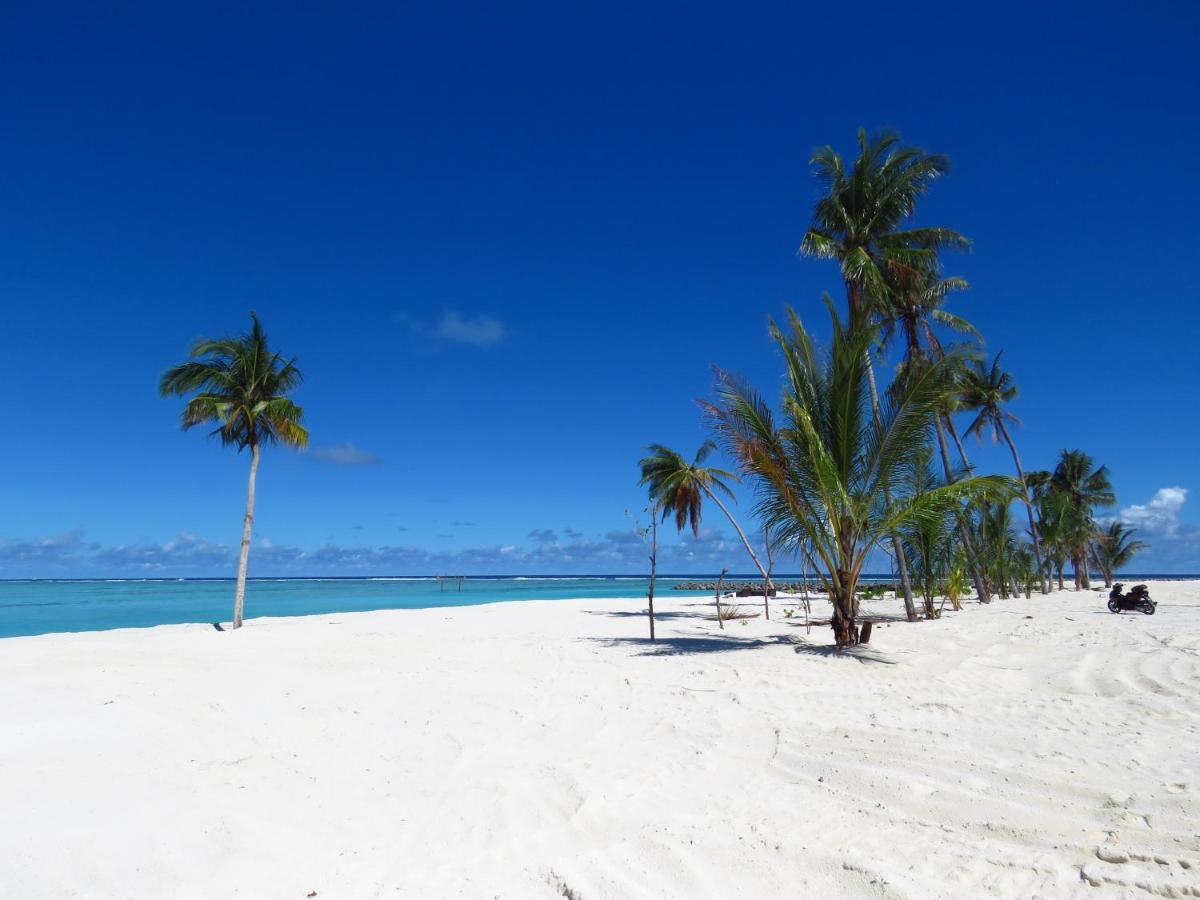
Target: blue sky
x,y
507,244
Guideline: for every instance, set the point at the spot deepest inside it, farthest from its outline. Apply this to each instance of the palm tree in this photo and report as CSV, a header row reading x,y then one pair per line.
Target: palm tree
x,y
1025,570
985,390
913,305
997,546
1113,548
679,487
1083,485
831,476
1054,526
955,583
242,387
929,541
860,221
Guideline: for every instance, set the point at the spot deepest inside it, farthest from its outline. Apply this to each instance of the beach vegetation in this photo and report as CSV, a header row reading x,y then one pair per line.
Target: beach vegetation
x,y
730,613
863,220
987,390
830,474
957,582
679,488
928,541
1113,548
1080,486
843,466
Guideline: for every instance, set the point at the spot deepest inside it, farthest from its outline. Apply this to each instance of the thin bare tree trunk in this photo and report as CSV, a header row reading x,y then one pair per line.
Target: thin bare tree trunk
x,y
239,595
1033,532
770,567
910,610
767,587
653,561
720,584
808,563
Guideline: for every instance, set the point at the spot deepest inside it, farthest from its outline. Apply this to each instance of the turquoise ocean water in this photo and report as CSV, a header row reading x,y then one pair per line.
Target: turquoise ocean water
x,y
43,606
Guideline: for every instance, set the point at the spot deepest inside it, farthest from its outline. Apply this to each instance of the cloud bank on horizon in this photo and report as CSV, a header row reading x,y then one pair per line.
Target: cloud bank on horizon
x,y
616,552
1174,548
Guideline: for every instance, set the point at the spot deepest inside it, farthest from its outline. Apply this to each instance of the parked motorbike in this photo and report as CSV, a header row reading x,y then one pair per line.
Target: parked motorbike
x,y
1137,599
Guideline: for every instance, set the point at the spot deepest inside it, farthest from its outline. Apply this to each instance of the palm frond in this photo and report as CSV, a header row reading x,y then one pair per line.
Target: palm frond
x,y
240,385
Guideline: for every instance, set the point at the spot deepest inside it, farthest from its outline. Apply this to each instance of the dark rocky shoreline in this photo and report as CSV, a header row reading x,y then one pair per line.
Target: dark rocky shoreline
x,y
745,588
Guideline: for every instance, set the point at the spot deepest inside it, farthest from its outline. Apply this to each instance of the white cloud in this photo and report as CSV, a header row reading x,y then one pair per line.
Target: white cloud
x,y
1160,515
345,454
478,331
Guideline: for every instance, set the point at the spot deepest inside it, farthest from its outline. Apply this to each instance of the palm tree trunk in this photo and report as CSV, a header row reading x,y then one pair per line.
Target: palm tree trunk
x,y
1103,568
966,465
962,451
845,632
770,565
767,587
1082,575
653,558
239,594
910,610
963,534
1033,532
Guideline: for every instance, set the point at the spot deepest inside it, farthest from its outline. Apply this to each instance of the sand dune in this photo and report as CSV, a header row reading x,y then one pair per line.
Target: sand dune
x,y
1027,748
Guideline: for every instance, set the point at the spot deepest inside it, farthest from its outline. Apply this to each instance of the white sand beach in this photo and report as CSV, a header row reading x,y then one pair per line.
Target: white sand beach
x,y
1029,748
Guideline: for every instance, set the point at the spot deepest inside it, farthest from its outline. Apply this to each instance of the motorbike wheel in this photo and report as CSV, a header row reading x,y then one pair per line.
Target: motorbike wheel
x,y
1112,606
1148,608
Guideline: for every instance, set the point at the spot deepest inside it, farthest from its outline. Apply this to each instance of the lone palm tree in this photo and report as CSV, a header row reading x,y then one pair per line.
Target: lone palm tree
x,y
986,390
679,488
831,475
241,386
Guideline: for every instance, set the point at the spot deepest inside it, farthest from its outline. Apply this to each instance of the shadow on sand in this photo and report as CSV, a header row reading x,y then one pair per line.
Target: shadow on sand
x,y
641,614
693,646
